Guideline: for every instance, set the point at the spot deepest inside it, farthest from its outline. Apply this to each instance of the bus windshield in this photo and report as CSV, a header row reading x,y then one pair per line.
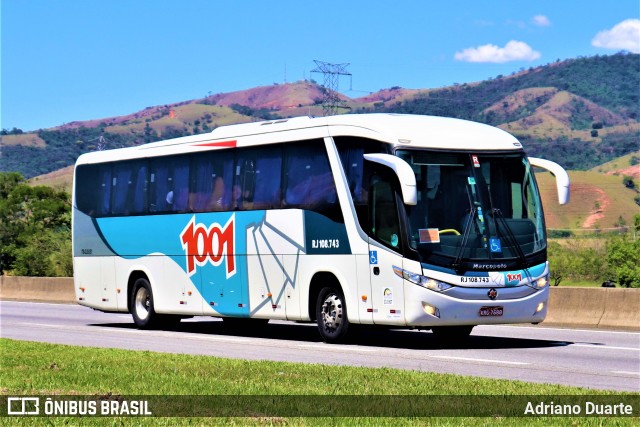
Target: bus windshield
x,y
475,210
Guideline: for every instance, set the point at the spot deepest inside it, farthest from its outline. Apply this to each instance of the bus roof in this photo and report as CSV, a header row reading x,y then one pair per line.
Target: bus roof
x,y
410,131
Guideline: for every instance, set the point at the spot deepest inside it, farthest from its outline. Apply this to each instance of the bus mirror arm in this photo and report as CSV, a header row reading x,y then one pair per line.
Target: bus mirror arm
x,y
403,171
562,178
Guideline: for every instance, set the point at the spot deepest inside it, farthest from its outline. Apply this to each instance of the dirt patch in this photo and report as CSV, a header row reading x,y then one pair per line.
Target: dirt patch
x,y
632,171
601,203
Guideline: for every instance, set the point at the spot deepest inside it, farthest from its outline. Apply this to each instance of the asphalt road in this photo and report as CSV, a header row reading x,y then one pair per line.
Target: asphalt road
x,y
587,358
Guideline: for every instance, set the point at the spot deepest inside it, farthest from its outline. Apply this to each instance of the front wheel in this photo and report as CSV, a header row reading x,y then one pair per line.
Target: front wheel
x,y
331,315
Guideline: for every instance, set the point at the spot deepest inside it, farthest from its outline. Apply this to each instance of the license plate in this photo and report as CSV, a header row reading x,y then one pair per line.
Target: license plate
x,y
491,311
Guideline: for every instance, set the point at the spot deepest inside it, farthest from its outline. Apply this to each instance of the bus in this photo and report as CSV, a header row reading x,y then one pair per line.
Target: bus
x,y
404,221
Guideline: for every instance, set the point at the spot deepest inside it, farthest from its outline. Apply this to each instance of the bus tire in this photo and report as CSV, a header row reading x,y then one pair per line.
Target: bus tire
x,y
452,334
331,315
142,311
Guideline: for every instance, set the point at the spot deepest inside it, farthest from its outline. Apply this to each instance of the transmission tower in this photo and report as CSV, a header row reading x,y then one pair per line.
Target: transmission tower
x,y
331,101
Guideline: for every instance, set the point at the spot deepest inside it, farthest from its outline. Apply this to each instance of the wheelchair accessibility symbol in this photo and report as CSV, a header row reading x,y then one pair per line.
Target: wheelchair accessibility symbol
x,y
373,257
495,245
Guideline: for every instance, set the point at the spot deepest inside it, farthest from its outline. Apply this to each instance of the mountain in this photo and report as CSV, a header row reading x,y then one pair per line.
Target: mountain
x,y
580,112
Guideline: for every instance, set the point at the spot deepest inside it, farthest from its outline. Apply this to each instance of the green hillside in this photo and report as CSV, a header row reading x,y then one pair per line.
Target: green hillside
x,y
580,112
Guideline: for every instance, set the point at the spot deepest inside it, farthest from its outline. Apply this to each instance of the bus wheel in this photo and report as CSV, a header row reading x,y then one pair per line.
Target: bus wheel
x,y
144,316
331,315
452,334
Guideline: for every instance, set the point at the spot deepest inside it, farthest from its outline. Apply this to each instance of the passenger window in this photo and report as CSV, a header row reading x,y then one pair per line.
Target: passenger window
x,y
129,186
268,173
211,182
257,179
309,178
89,192
169,184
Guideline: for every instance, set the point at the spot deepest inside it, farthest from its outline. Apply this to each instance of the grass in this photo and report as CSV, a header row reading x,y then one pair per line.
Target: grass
x,y
44,369
617,163
26,139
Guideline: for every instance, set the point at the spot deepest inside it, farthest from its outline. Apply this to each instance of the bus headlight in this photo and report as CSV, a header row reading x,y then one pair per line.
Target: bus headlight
x,y
418,279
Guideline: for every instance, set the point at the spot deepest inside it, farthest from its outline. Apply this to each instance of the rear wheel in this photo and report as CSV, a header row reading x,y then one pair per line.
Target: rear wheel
x,y
331,315
142,308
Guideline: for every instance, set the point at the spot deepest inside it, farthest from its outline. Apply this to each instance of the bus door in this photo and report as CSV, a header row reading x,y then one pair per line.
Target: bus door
x,y
384,252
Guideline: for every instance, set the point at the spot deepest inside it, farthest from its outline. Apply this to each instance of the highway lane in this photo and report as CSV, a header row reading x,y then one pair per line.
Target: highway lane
x,y
587,358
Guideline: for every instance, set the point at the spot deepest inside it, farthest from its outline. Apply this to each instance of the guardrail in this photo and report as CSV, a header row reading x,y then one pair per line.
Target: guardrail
x,y
609,308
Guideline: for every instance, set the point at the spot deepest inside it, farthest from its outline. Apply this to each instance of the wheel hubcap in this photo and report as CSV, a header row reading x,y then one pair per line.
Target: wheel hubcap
x,y
142,303
332,312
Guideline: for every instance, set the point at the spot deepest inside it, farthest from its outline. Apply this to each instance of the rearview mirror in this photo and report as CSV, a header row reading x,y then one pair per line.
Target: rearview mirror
x,y
404,173
562,178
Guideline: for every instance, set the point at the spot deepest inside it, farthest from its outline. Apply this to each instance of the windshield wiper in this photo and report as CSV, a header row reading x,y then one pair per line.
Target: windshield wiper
x,y
465,239
465,235
511,240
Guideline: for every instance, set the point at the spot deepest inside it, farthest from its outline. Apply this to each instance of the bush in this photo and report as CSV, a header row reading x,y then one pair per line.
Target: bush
x,y
577,260
623,254
628,182
47,254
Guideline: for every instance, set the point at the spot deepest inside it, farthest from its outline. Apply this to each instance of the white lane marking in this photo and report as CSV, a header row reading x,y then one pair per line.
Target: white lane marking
x,y
637,374
607,347
472,359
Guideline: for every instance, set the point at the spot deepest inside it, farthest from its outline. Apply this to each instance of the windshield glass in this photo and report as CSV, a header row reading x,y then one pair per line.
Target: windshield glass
x,y
475,207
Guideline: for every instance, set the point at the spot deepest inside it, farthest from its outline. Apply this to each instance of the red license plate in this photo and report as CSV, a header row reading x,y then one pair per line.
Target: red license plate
x,y
492,311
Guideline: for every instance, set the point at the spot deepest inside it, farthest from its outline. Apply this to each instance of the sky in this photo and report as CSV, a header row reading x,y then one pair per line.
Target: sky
x,y
69,60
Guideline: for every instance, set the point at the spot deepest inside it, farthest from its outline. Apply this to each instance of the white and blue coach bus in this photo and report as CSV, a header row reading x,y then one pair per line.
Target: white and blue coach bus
x,y
396,220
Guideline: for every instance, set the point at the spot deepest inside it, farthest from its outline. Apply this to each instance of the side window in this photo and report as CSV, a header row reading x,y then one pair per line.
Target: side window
x,y
257,179
384,213
88,191
129,186
211,176
309,180
168,184
268,174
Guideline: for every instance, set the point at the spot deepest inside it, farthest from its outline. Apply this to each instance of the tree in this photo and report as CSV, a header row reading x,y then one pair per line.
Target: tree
x,y
34,227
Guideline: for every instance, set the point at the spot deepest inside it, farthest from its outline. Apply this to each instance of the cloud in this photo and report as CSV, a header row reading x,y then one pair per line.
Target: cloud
x,y
625,35
512,51
541,21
